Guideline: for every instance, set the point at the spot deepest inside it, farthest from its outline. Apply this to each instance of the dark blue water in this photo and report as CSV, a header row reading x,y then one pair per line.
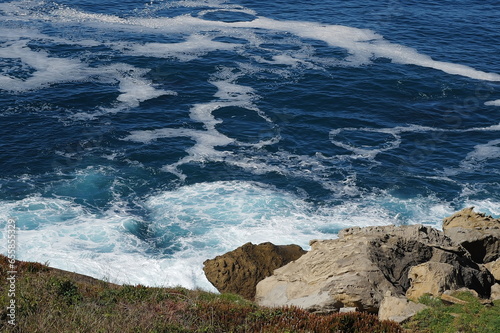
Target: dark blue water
x,y
140,138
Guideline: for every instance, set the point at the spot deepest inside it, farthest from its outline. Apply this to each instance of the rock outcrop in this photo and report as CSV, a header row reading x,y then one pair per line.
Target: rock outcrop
x,y
432,278
495,292
240,270
494,268
476,232
358,268
398,309
374,269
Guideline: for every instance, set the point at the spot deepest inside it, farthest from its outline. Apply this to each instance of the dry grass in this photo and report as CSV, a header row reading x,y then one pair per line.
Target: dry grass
x,y
50,300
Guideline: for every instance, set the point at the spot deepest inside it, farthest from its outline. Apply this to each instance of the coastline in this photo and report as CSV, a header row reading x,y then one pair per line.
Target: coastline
x,y
48,298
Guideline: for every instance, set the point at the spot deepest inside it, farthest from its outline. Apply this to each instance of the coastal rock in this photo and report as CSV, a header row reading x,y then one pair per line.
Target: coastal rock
x,y
468,219
495,292
494,268
398,309
478,233
240,270
432,278
419,232
358,268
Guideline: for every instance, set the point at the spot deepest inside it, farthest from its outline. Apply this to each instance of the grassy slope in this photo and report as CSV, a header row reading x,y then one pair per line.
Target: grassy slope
x,y
472,317
51,300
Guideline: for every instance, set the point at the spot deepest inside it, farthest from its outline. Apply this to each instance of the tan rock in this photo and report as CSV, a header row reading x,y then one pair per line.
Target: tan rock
x,y
334,274
468,219
398,309
495,292
358,268
466,290
348,310
476,232
452,299
494,268
240,270
432,278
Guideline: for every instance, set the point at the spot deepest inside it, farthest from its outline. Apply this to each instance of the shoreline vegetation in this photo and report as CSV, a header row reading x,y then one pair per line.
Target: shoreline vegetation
x,y
53,300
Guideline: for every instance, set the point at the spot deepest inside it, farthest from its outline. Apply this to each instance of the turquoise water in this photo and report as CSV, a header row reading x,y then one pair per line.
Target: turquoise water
x,y
141,138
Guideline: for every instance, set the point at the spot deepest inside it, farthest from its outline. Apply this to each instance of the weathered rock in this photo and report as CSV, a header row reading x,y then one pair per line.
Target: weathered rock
x,y
436,277
334,274
467,218
240,270
358,268
463,289
452,299
476,232
427,235
398,309
494,268
348,310
495,292
431,278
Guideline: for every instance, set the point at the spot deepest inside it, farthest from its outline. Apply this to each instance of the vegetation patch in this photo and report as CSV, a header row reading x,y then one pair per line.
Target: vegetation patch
x,y
472,317
51,300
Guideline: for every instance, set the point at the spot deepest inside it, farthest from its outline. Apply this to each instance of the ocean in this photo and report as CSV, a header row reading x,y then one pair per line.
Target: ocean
x,y
140,138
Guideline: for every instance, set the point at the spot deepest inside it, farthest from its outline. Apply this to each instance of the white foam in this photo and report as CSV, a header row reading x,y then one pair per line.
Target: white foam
x,y
492,128
47,70
363,151
196,222
227,8
408,56
368,152
44,70
481,154
488,206
362,45
228,94
136,89
71,237
493,103
195,46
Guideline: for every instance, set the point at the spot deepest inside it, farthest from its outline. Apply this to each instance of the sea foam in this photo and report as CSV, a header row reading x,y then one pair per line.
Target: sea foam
x,y
188,225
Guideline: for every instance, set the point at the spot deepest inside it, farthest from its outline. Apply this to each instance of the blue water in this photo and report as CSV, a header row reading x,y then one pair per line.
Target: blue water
x,y
140,138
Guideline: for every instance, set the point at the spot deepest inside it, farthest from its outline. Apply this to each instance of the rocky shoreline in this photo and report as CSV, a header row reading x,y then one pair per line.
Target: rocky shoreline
x,y
382,270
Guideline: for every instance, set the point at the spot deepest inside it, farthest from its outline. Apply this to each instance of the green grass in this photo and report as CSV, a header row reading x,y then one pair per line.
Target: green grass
x,y
472,317
51,300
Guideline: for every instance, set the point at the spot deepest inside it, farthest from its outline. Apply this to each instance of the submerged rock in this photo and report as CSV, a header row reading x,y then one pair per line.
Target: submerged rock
x,y
240,270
